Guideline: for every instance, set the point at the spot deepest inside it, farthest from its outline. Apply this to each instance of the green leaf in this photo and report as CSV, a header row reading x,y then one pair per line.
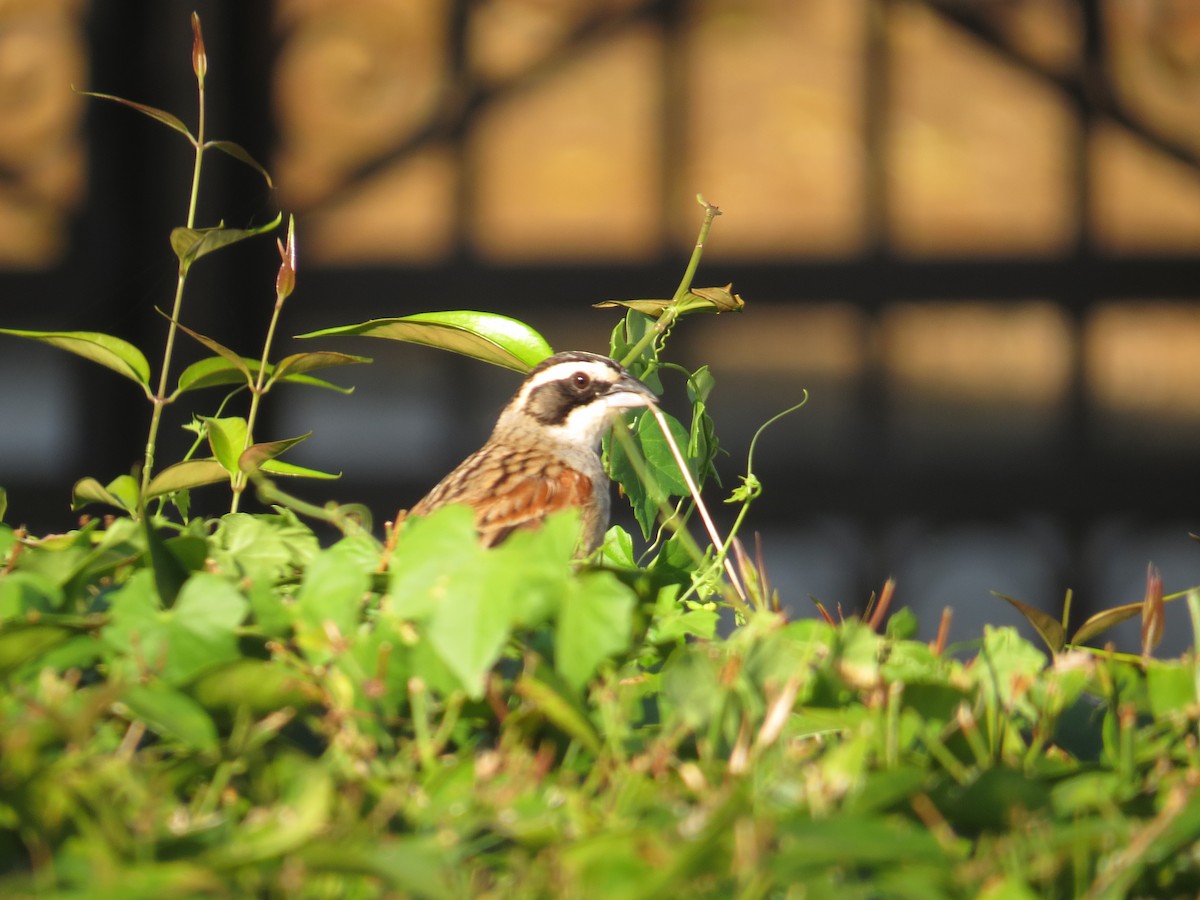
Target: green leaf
x,y
169,572
111,352
430,550
227,437
21,643
179,643
291,470
263,545
283,827
489,337
190,473
121,493
470,627
217,371
627,334
593,625
238,152
660,465
190,244
1170,688
1047,626
22,593
3,503
555,701
172,715
329,600
259,685
157,114
213,371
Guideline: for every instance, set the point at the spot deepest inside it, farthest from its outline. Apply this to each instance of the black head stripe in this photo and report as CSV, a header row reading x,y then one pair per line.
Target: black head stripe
x,y
552,402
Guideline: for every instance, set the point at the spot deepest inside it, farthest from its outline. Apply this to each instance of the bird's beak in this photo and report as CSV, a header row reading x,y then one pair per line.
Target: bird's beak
x,y
629,393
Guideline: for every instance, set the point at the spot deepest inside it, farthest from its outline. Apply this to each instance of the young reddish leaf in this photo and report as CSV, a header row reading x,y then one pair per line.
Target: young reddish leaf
x,y
489,337
190,473
1048,628
240,363
716,300
1153,612
652,308
199,55
255,456
157,114
1104,620
309,362
285,279
238,152
111,352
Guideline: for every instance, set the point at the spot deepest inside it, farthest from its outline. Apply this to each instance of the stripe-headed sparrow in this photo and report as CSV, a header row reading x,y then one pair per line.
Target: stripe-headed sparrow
x,y
544,453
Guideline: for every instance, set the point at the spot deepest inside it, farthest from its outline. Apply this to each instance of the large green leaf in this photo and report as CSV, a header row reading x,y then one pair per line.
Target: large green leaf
x,y
112,352
485,336
593,624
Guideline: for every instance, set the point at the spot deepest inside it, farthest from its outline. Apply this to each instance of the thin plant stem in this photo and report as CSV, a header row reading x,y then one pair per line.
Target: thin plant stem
x,y
256,395
160,399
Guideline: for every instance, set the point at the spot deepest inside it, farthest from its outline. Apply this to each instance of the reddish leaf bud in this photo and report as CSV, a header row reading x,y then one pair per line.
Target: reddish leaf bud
x,y
285,280
1153,612
199,54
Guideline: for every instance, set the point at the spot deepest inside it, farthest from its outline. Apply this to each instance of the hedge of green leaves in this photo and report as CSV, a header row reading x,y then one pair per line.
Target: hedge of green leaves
x,y
293,720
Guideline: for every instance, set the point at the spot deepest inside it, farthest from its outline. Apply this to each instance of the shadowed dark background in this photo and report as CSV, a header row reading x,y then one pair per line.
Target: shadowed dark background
x,y
968,229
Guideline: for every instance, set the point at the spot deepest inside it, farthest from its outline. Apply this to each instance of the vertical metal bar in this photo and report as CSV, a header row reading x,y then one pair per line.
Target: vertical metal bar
x,y
873,451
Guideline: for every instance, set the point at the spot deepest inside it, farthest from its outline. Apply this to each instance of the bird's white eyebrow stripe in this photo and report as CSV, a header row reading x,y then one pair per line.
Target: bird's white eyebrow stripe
x,y
561,370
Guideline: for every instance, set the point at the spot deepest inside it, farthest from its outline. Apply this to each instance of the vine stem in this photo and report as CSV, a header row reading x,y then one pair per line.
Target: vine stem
x,y
159,400
671,312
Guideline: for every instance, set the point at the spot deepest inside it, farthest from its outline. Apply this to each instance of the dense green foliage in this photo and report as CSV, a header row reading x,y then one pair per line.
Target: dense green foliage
x,y
246,712
232,707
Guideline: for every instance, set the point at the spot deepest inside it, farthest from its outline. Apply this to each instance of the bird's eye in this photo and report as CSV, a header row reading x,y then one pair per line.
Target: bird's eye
x,y
580,380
